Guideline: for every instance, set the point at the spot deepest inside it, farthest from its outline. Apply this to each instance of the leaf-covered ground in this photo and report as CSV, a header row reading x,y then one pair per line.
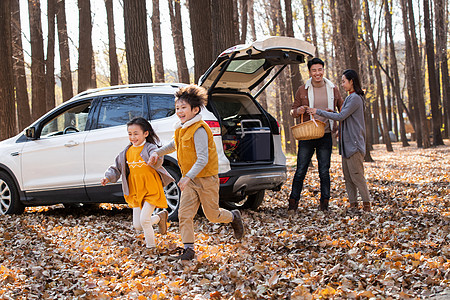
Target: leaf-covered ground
x,y
399,251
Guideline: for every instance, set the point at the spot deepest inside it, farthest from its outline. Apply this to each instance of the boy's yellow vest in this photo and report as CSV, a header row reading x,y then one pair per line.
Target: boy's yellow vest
x,y
186,154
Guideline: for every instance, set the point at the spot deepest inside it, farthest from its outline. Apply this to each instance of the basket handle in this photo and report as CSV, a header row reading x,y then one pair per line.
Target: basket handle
x,y
312,118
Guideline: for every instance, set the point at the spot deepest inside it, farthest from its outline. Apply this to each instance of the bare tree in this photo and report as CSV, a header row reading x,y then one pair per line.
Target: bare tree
x,y
295,75
7,110
50,61
442,62
223,35
157,43
418,81
312,21
243,22
380,91
178,41
37,60
396,79
200,20
136,42
432,79
251,19
114,70
20,80
64,57
85,53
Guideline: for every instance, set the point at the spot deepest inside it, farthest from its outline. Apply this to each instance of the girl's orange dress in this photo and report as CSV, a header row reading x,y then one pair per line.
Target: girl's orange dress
x,y
144,182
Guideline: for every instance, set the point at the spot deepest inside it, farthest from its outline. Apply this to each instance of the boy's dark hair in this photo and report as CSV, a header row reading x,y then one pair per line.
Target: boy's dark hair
x,y
145,126
194,95
315,61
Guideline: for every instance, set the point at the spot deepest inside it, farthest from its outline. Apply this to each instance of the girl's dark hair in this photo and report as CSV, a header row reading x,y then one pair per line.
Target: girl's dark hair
x,y
352,75
194,95
145,126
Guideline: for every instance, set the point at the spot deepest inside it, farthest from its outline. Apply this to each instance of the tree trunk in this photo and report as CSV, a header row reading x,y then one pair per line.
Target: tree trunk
x,y
7,110
294,71
442,61
64,57
50,62
251,19
20,79
348,34
337,43
178,41
307,34
418,79
136,42
415,121
396,84
284,86
244,21
325,37
85,46
114,70
380,90
432,79
200,20
223,35
312,21
157,43
37,60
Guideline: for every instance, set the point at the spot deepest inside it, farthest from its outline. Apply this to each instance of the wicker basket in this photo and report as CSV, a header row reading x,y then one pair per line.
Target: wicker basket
x,y
309,130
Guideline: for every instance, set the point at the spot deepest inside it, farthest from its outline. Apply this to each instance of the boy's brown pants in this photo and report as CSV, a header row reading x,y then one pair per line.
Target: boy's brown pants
x,y
204,191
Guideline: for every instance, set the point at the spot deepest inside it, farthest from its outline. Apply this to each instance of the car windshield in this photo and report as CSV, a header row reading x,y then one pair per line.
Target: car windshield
x,y
245,66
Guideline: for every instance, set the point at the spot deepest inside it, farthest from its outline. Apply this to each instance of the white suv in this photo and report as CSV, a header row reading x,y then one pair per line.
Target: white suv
x,y
62,156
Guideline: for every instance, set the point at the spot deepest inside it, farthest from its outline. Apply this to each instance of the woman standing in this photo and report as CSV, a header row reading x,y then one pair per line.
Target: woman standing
x,y
352,144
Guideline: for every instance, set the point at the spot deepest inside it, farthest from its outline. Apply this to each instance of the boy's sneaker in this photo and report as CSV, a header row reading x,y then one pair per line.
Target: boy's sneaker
x,y
188,254
237,224
162,224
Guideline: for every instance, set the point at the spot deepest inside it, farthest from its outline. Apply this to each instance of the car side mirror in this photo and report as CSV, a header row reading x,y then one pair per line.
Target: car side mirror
x,y
30,133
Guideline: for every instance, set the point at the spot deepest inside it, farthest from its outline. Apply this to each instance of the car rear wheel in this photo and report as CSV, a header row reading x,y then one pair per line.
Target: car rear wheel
x,y
173,194
252,201
9,197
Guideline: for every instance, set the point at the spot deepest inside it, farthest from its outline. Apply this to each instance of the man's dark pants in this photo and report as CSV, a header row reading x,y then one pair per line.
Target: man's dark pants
x,y
323,148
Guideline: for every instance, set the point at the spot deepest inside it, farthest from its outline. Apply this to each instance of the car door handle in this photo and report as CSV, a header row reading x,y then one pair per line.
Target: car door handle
x,y
71,144
15,153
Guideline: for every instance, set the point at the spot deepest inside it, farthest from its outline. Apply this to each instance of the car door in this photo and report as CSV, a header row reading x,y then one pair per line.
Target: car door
x,y
52,164
107,139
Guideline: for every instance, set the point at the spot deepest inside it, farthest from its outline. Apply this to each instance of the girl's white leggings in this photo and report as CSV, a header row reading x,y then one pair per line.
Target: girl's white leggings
x,y
143,220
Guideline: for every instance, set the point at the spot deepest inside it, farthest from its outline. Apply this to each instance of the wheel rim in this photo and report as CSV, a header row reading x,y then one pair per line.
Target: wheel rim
x,y
173,197
5,197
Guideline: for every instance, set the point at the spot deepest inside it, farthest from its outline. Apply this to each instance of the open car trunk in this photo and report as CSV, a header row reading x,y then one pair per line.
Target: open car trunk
x,y
246,128
248,131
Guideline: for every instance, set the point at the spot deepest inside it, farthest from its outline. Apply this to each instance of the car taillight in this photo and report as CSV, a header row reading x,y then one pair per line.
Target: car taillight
x,y
215,127
223,179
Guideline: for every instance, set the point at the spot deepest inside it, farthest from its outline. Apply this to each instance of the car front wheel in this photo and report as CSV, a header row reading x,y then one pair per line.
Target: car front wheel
x,y
9,197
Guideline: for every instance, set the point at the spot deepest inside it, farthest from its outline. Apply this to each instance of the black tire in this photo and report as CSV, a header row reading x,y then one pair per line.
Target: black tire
x,y
173,194
252,201
255,200
9,196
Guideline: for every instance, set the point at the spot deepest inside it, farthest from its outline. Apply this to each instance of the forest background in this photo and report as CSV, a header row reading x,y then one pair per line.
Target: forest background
x,y
52,49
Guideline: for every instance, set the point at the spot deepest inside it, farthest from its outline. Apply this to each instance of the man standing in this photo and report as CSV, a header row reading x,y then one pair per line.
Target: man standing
x,y
317,92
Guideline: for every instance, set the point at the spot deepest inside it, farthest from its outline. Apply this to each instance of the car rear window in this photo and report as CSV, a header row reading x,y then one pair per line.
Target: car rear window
x,y
118,110
245,66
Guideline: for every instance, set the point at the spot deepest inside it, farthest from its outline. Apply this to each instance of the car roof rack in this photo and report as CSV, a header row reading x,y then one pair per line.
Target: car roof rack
x,y
134,85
